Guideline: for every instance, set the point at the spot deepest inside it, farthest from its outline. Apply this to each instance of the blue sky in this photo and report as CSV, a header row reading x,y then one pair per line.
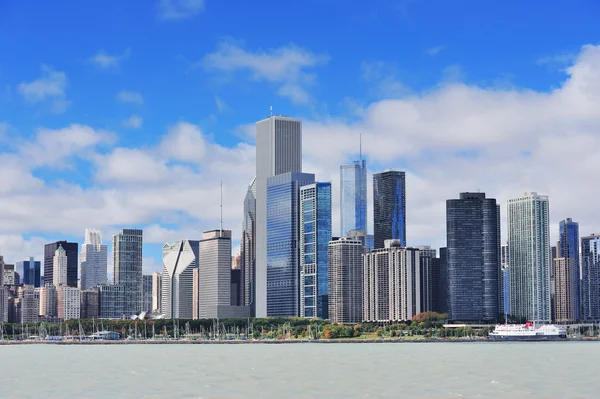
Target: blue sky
x,y
138,109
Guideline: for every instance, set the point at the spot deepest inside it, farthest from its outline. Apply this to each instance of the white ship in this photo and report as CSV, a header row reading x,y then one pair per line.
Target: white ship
x,y
528,332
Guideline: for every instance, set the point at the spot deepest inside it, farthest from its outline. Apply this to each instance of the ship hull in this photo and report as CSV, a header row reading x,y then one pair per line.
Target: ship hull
x,y
527,337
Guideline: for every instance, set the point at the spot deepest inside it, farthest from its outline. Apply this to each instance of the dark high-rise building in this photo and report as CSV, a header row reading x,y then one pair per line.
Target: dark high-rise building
x,y
236,284
31,271
127,268
590,277
473,242
443,282
72,250
389,207
568,248
248,251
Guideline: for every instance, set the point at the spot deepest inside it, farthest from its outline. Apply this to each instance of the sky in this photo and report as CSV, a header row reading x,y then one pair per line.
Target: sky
x,y
122,114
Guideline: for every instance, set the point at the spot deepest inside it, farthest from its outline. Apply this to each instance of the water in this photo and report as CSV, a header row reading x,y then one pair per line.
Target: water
x,y
423,370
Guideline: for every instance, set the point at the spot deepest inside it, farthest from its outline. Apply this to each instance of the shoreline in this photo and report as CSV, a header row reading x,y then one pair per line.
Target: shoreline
x,y
279,342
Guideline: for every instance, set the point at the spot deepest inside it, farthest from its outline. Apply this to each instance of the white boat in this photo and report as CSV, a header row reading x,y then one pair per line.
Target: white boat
x,y
528,331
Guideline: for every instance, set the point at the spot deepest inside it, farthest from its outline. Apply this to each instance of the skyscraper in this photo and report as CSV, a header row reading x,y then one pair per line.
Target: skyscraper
x,y
529,257
278,151
389,207
59,269
31,272
248,250
566,274
127,265
392,283
283,243
71,249
68,302
346,280
353,196
315,234
147,293
93,260
3,295
179,261
214,274
156,292
473,256
590,277
568,248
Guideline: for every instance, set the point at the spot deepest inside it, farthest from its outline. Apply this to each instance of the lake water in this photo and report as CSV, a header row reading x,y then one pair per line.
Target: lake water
x,y
423,370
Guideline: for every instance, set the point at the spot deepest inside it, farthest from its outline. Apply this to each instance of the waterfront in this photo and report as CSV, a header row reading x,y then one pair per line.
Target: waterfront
x,y
468,370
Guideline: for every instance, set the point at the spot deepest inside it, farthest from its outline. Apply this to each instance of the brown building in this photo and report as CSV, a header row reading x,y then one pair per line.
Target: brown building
x,y
566,273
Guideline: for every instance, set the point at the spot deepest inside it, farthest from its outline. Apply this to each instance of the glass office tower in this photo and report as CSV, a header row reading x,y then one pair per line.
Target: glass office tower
x,y
315,234
569,249
283,242
353,197
389,207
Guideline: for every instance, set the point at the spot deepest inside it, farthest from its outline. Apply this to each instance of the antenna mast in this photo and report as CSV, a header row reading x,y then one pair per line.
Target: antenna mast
x,y
221,221
360,145
271,110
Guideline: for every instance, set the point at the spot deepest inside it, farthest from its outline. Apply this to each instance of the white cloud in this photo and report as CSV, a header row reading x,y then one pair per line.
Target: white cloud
x,y
179,9
50,87
132,97
452,138
134,122
434,50
285,66
383,79
104,60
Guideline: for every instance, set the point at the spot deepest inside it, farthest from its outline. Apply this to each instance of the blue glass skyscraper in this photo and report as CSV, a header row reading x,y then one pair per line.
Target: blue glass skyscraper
x,y
389,207
283,242
569,248
315,234
353,197
31,272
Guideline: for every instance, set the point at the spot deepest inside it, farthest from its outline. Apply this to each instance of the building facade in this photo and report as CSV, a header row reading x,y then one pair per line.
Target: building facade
x,y
90,304
568,247
353,197
389,207
248,250
590,277
346,280
278,151
111,301
529,257
156,292
93,260
68,302
147,293
72,252
127,266
473,258
179,261
566,274
214,274
283,243
60,264
315,234
3,294
391,283
30,272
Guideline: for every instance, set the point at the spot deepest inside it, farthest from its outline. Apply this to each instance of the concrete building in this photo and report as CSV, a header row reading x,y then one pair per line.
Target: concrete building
x,y
29,304
529,257
179,261
111,301
127,264
236,262
48,301
353,197
90,304
236,282
346,280
248,250
30,272
566,274
59,270
72,252
196,297
9,275
391,283
3,294
278,151
389,207
283,243
315,234
68,302
93,260
147,293
214,274
157,292
473,251
590,277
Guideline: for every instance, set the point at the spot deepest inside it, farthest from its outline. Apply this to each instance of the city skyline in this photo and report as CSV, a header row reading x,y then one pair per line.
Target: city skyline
x,y
66,147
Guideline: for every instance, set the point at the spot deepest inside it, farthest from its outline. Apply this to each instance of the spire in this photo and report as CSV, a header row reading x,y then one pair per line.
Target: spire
x,y
221,222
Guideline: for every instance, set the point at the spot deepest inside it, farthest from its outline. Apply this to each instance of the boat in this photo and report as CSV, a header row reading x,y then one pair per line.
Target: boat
x,y
528,331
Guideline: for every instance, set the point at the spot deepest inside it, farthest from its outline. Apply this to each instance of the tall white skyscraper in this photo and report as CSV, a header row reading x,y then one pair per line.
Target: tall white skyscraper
x,y
529,257
278,150
179,261
214,275
59,269
93,260
156,291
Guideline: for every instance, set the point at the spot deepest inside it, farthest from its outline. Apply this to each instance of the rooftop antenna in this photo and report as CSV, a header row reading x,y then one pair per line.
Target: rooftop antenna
x,y
271,110
221,222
